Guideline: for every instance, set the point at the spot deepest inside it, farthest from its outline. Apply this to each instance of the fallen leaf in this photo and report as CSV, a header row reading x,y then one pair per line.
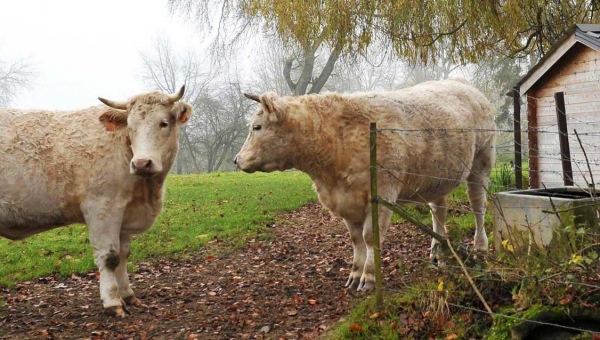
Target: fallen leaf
x,y
291,311
355,328
566,299
375,315
451,337
312,302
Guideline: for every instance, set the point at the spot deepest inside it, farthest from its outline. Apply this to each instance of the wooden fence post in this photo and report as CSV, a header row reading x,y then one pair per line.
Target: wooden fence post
x,y
375,215
517,135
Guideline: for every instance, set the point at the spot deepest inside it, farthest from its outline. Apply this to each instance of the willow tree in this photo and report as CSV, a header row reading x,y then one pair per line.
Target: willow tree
x,y
461,31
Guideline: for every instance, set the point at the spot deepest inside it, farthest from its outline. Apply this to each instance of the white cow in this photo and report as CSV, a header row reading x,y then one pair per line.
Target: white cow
x,y
443,135
102,166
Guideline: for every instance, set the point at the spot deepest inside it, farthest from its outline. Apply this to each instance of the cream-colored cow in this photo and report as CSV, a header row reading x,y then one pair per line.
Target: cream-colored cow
x,y
442,133
104,166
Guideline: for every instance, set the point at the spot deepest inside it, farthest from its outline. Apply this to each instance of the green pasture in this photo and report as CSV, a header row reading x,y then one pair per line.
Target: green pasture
x,y
198,208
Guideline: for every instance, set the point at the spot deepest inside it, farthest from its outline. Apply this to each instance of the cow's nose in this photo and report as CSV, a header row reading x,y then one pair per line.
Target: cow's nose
x,y
235,160
144,164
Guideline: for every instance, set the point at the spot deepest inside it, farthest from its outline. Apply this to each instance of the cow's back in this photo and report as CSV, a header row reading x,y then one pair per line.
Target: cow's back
x,y
431,134
49,161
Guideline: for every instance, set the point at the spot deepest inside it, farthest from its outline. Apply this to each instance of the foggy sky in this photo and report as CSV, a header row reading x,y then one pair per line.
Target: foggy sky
x,y
85,49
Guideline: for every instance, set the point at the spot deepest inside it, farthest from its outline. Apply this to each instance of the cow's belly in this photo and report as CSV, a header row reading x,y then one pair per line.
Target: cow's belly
x,y
428,193
24,224
26,210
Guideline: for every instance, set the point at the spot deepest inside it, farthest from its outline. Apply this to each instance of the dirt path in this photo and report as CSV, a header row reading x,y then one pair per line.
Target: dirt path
x,y
289,286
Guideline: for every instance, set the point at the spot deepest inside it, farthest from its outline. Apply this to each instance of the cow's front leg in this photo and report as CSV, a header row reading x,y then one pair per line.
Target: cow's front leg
x,y
360,252
367,280
121,275
104,224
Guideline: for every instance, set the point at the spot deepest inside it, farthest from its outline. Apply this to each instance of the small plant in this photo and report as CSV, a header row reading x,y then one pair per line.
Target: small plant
x,y
503,178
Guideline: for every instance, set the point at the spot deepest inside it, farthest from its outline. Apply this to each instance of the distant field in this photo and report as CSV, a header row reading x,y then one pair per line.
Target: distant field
x,y
197,209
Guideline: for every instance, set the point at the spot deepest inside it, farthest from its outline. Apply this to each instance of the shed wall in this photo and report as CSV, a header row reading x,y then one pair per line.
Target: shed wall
x,y
577,74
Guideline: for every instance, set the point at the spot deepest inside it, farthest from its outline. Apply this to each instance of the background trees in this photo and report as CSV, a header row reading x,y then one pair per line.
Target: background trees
x,y
303,47
14,76
460,31
217,127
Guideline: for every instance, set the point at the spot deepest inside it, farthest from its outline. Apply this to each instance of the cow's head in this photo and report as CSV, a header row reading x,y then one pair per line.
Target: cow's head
x,y
152,121
267,147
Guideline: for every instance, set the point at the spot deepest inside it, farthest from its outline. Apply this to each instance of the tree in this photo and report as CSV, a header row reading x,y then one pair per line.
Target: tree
x,y
14,76
218,125
266,70
167,72
222,114
375,71
462,31
302,53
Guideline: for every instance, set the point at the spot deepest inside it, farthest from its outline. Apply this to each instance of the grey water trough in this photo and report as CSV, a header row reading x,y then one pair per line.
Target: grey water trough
x,y
536,217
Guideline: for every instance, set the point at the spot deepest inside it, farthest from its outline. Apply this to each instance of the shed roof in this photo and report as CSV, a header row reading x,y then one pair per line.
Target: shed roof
x,y
587,34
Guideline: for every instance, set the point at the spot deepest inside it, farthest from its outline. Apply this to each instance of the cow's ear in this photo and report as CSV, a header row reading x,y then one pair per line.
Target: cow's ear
x,y
182,112
113,120
272,106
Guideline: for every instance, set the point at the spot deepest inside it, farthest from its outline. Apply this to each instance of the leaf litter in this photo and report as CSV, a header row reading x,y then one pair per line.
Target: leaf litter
x,y
288,285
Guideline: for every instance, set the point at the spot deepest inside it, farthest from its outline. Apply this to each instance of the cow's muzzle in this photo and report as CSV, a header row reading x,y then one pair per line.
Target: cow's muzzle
x,y
145,167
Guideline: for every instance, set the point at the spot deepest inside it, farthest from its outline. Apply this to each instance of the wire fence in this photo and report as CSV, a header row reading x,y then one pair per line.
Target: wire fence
x,y
544,159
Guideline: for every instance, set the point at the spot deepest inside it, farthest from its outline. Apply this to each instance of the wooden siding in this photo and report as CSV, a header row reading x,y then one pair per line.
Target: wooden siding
x,y
577,74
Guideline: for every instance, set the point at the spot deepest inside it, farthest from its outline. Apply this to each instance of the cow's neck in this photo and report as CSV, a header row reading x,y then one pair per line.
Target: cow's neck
x,y
150,189
317,147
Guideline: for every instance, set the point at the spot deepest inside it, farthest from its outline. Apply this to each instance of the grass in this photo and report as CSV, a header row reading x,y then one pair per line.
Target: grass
x,y
198,208
509,282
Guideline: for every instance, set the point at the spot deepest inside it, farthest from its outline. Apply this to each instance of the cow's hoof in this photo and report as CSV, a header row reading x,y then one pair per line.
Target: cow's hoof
x,y
117,311
352,283
366,287
133,301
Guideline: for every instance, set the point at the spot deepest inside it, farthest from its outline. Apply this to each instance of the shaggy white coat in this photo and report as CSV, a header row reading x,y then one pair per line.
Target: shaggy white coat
x,y
59,168
442,134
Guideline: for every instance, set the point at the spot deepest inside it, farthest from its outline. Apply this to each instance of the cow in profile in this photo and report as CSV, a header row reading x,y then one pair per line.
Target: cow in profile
x,y
434,137
104,166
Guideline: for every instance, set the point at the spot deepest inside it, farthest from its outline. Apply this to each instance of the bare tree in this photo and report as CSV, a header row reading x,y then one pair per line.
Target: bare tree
x,y
167,72
266,71
222,114
375,71
14,77
218,125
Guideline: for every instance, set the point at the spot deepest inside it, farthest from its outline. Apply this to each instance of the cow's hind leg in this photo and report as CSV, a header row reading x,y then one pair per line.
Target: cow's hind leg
x,y
477,184
367,280
439,210
360,253
125,290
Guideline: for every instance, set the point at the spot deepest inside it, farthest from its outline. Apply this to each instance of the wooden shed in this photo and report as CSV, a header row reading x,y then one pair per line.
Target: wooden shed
x,y
562,95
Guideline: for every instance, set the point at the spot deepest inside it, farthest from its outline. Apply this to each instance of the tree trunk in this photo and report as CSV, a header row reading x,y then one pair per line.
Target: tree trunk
x,y
322,79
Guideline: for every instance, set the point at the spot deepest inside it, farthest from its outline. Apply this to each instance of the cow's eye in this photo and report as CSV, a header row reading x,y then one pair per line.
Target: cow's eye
x,y
256,127
163,124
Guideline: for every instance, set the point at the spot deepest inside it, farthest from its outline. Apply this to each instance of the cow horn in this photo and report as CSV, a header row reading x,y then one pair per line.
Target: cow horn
x,y
113,104
252,96
176,96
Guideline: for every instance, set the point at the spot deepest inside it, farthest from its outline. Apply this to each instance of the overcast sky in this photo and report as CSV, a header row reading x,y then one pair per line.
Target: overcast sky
x,y
85,49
